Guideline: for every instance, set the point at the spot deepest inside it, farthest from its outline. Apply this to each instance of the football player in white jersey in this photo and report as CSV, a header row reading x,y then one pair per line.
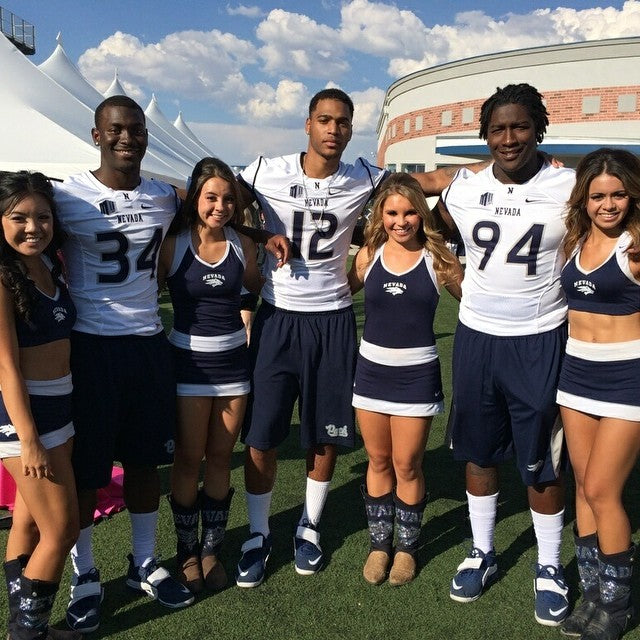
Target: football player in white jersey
x,y
124,390
510,339
303,341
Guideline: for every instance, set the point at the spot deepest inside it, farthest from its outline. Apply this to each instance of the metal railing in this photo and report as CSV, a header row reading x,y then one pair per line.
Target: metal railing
x,y
21,33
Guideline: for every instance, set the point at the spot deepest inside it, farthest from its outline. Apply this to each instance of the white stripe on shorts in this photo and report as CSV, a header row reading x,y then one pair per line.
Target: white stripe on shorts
x,y
598,407
214,390
48,440
56,387
409,410
208,343
406,357
603,351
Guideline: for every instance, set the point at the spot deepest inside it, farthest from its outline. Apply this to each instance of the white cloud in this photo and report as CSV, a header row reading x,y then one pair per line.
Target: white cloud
x,y
597,23
247,12
367,105
195,63
288,99
474,33
382,29
297,45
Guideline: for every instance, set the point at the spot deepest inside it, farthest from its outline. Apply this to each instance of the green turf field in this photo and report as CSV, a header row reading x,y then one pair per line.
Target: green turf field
x,y
338,603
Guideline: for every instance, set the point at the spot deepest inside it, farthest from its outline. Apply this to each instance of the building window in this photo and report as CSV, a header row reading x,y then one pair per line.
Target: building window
x,y
412,168
627,103
418,123
446,118
467,115
391,167
591,104
407,125
393,130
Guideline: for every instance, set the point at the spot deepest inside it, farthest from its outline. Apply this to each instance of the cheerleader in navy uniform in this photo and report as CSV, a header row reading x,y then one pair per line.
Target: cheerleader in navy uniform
x,y
397,388
36,431
205,263
599,387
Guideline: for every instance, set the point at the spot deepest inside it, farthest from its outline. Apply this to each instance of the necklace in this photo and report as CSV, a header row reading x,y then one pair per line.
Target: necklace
x,y
321,200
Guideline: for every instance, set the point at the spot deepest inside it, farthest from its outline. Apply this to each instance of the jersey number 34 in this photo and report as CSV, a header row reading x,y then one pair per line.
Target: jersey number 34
x,y
146,260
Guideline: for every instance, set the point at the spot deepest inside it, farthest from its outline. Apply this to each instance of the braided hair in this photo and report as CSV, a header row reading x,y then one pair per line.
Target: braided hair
x,y
523,94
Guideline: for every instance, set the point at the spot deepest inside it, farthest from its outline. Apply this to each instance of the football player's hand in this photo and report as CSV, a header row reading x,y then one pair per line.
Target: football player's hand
x,y
280,247
553,161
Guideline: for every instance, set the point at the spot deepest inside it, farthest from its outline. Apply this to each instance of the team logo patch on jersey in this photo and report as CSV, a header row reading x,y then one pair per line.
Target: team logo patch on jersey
x,y
107,207
585,287
337,432
486,199
59,314
213,279
394,288
296,191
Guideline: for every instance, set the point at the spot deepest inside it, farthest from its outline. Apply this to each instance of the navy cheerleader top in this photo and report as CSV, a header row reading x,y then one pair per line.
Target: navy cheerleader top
x,y
206,297
609,289
51,319
400,307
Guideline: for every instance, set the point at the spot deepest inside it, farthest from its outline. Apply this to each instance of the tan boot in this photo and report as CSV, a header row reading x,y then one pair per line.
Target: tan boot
x,y
380,514
403,569
190,574
215,514
215,576
376,566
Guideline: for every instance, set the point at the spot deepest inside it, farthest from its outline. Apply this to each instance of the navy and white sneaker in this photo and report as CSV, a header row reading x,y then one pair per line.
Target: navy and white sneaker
x,y
552,603
83,610
306,548
158,583
477,571
253,562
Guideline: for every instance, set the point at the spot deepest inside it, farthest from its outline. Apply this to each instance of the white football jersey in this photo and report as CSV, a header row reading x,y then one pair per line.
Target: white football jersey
x,y
318,216
513,236
112,252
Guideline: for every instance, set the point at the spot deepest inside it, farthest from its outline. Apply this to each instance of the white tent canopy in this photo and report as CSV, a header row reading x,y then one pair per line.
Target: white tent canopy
x,y
187,147
47,116
115,88
182,126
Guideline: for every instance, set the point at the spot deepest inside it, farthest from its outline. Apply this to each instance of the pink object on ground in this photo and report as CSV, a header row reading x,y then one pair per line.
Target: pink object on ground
x,y
7,489
110,498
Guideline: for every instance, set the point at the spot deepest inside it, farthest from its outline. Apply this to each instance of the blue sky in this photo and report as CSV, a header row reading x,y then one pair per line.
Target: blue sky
x,y
243,72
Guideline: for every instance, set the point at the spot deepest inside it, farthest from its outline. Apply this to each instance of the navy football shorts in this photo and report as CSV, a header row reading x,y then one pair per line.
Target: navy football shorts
x,y
504,401
309,357
124,404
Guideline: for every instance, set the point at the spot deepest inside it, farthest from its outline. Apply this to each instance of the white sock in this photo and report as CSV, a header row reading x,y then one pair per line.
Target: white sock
x,y
482,514
143,535
315,497
548,530
259,505
82,552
